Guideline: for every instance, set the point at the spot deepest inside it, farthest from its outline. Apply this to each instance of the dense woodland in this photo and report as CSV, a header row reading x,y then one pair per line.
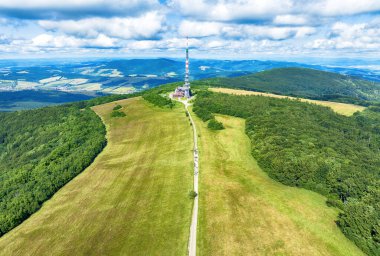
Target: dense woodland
x,y
41,150
304,83
310,146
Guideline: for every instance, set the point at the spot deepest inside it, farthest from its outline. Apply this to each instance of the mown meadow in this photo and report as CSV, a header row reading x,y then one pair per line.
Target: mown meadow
x,y
310,146
133,199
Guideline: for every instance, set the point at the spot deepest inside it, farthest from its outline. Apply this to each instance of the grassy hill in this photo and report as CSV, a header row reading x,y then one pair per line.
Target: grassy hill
x,y
40,151
43,149
133,200
310,146
244,212
306,83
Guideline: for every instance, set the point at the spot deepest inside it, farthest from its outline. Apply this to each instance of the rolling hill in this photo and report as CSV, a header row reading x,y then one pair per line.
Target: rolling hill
x,y
30,99
306,83
134,197
310,146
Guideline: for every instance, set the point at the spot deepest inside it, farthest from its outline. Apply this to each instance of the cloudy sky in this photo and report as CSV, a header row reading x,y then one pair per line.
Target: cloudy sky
x,y
244,29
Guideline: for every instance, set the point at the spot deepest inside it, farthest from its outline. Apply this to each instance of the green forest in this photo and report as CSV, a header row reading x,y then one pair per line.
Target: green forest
x,y
43,149
310,146
304,83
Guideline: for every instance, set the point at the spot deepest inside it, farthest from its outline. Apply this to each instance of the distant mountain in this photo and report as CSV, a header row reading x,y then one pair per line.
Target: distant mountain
x,y
130,75
29,99
124,76
307,83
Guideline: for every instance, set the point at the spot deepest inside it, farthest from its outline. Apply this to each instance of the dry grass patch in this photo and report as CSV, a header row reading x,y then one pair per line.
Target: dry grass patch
x,y
341,108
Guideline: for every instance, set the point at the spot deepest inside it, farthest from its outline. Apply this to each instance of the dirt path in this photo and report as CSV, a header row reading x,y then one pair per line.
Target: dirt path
x,y
194,220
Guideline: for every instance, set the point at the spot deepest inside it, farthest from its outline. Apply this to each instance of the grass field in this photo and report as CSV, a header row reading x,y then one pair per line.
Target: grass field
x,y
341,108
244,212
133,200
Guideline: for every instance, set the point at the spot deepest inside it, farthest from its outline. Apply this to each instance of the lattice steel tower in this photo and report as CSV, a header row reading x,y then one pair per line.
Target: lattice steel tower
x,y
187,82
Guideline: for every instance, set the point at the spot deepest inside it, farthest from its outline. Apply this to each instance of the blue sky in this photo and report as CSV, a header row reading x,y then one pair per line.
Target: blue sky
x,y
228,29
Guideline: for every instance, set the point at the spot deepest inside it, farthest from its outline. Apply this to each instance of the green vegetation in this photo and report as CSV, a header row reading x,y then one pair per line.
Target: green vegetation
x,y
40,151
117,107
192,194
215,125
133,199
310,146
244,212
338,107
117,114
305,83
104,99
158,100
116,111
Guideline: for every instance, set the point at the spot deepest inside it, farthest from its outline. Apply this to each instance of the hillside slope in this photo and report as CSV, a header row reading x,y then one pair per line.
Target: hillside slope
x,y
302,82
40,151
244,212
310,146
133,200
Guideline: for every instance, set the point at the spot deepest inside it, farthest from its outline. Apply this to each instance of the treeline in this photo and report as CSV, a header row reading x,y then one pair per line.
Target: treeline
x,y
206,115
310,146
43,149
304,83
158,100
104,99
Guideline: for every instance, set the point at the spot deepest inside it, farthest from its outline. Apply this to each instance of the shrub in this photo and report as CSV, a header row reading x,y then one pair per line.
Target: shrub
x,y
203,113
158,100
117,107
192,194
117,114
215,125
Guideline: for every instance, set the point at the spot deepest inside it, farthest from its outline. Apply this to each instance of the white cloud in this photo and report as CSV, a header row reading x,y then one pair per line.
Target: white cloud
x,y
50,41
262,32
142,45
4,39
238,26
199,29
145,26
357,36
228,30
75,8
220,44
290,20
46,4
282,12
232,10
342,7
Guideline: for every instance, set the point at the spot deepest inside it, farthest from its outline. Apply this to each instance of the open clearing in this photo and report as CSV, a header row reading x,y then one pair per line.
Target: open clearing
x,y
341,108
244,212
133,200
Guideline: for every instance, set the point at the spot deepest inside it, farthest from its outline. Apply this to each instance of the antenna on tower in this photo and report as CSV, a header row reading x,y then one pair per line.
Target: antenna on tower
x,y
187,83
